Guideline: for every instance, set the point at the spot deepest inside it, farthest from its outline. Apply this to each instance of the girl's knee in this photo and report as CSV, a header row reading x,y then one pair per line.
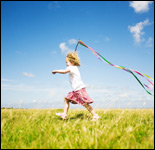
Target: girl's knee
x,y
66,100
86,104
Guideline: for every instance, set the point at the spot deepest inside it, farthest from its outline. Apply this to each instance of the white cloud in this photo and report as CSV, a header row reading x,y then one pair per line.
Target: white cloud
x,y
34,101
52,92
140,6
53,52
64,48
137,30
5,86
72,41
123,95
54,5
28,74
6,80
149,42
107,39
96,41
23,87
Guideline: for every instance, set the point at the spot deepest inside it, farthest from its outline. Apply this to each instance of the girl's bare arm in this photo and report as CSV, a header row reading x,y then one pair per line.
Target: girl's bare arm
x,y
61,71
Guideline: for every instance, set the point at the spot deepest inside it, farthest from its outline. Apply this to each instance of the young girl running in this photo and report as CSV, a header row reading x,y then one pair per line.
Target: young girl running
x,y
79,94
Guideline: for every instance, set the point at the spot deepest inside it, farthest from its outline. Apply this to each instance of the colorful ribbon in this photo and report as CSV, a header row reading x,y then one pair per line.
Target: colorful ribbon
x,y
100,57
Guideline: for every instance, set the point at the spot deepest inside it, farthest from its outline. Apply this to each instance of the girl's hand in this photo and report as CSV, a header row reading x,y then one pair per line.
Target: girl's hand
x,y
54,72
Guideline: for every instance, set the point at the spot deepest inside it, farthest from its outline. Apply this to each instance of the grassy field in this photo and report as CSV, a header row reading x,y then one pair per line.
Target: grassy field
x,y
42,129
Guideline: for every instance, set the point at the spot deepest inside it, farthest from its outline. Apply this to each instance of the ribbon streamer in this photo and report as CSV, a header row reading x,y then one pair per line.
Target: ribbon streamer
x,y
100,57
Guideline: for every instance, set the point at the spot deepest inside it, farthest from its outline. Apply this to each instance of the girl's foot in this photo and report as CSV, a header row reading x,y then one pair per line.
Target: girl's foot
x,y
63,116
95,118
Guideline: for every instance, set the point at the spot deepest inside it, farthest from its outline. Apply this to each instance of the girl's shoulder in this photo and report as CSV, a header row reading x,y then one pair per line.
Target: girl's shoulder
x,y
73,68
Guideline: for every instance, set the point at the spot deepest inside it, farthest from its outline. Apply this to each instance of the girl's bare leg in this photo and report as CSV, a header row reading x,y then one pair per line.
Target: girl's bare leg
x,y
66,107
90,109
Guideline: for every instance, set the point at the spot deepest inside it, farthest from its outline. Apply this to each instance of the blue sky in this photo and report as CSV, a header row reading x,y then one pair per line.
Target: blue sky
x,y
36,36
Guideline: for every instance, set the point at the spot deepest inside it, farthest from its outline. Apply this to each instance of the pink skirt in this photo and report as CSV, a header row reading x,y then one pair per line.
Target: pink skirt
x,y
79,97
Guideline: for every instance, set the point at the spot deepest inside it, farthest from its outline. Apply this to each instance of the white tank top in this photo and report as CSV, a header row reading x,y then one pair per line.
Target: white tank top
x,y
75,78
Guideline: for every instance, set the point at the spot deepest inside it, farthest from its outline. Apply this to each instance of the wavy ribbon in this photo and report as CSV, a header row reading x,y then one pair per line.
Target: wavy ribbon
x,y
100,57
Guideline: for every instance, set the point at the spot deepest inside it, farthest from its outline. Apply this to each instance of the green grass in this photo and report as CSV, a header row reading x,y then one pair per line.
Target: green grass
x,y
42,129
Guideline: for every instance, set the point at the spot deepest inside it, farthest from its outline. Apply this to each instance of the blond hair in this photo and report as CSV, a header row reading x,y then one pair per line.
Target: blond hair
x,y
74,58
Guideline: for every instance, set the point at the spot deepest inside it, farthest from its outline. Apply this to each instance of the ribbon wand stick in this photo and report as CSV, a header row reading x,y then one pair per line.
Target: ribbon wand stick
x,y
77,45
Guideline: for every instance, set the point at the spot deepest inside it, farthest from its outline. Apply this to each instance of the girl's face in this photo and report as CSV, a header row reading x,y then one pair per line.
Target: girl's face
x,y
68,63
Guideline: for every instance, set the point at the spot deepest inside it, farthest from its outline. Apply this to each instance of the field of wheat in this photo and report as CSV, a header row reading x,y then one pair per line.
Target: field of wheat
x,y
42,129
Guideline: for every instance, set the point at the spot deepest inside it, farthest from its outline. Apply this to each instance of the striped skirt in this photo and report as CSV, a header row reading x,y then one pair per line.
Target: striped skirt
x,y
79,97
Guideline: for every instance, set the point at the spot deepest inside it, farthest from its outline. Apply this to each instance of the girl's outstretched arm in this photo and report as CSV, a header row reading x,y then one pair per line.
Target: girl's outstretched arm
x,y
61,71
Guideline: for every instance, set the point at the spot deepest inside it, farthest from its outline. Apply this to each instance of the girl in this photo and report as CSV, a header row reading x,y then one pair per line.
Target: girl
x,y
79,94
